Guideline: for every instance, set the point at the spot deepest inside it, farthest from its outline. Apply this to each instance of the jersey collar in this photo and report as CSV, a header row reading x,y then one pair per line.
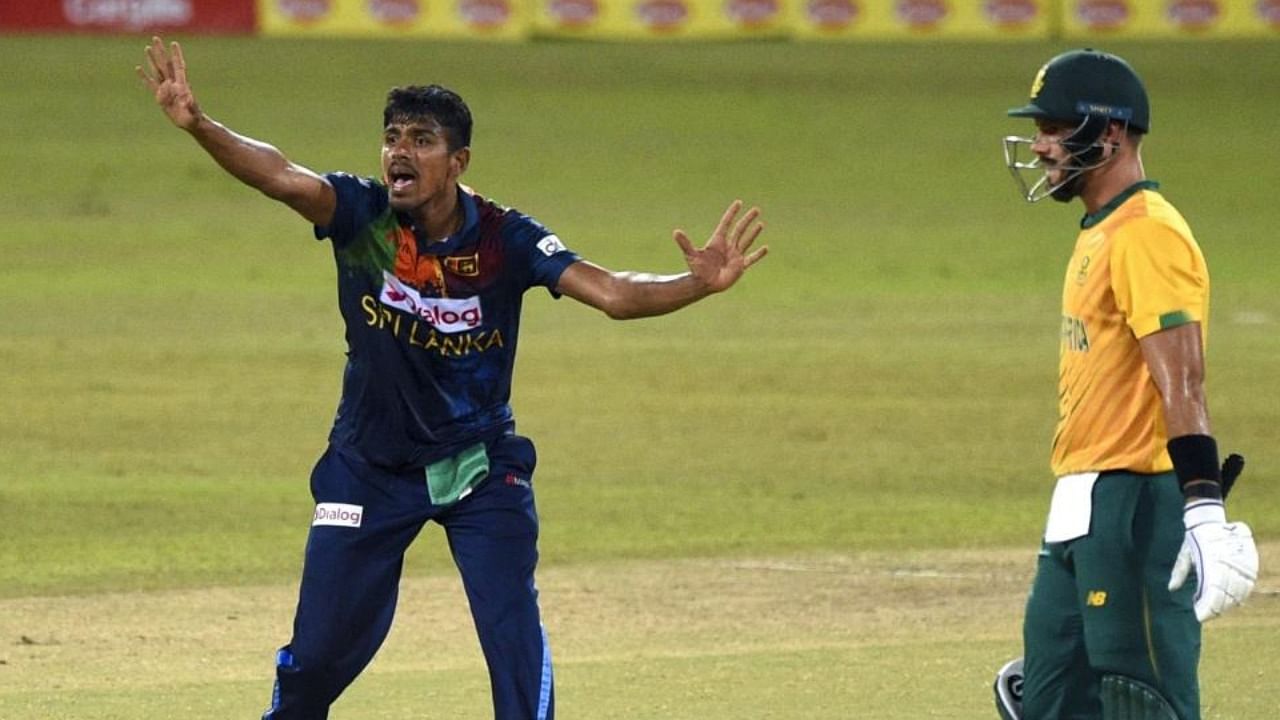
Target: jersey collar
x,y
1091,219
470,217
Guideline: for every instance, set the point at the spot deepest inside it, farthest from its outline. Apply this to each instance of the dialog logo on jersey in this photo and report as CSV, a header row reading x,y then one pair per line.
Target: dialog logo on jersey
x,y
550,245
448,315
338,514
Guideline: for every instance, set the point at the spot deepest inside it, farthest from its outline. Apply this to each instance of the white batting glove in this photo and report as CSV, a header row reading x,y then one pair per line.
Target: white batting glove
x,y
1224,557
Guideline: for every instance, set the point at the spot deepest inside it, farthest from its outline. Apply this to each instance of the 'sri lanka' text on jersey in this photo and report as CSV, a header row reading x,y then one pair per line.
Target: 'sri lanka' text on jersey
x,y
1136,270
431,327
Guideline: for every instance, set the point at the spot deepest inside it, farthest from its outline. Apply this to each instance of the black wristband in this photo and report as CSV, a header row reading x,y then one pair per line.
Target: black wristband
x,y
1195,461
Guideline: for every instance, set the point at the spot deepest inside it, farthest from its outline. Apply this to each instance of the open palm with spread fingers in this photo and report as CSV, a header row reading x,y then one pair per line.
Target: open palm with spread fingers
x,y
167,79
719,263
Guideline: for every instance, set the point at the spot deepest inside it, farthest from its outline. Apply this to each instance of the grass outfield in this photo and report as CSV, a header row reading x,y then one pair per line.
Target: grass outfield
x,y
821,637
883,383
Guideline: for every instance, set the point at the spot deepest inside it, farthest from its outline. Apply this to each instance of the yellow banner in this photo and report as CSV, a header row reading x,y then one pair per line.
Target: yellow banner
x,y
662,19
1076,20
482,19
924,19
1101,19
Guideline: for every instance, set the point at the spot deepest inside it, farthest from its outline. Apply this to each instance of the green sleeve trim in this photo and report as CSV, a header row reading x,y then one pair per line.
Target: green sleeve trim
x,y
1175,319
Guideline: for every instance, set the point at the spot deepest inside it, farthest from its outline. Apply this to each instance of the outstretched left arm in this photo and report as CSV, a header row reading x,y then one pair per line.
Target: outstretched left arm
x,y
713,268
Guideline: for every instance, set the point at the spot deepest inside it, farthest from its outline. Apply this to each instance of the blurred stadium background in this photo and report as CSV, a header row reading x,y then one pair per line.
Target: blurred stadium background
x,y
662,19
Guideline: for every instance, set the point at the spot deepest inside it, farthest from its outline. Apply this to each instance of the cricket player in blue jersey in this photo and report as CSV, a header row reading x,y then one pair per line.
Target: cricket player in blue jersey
x,y
430,280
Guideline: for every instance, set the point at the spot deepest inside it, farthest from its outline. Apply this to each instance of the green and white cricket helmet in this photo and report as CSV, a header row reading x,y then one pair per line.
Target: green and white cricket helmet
x,y
1088,89
1081,83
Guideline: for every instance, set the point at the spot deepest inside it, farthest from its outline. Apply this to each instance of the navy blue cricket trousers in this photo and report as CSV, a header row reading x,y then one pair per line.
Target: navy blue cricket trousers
x,y
351,575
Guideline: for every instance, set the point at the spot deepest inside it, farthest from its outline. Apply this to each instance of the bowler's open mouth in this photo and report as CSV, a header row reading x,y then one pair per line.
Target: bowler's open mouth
x,y
401,179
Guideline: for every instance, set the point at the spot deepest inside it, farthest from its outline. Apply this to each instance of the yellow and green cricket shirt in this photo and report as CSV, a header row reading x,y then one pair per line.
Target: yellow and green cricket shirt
x,y
1136,270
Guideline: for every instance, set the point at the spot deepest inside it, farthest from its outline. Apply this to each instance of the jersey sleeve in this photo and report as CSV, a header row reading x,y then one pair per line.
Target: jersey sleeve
x,y
357,204
543,253
1159,277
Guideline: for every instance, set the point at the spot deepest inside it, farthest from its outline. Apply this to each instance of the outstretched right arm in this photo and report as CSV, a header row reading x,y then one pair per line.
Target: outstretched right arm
x,y
256,164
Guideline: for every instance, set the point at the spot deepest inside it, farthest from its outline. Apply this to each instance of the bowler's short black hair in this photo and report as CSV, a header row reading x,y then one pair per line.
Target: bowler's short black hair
x,y
419,102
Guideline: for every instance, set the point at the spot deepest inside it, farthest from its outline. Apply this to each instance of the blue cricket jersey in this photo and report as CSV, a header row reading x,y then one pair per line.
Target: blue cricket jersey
x,y
431,327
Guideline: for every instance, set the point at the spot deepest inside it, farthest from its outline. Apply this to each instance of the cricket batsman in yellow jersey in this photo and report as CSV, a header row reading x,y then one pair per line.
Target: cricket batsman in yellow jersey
x,y
1137,549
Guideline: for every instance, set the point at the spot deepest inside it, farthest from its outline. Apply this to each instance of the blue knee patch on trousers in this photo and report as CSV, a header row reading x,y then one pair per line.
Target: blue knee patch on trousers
x,y
284,659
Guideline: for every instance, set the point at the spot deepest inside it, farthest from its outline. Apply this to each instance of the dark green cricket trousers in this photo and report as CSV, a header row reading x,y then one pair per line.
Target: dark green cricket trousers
x,y
1100,605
